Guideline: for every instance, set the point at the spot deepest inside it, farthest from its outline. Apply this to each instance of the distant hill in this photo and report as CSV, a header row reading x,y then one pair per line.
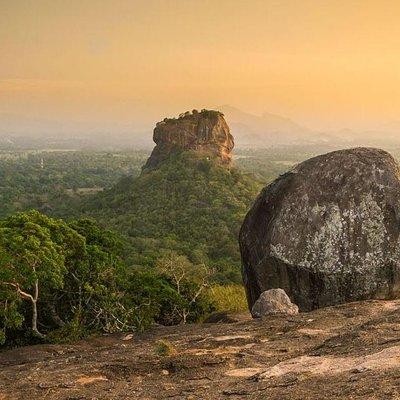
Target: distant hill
x,y
265,130
269,130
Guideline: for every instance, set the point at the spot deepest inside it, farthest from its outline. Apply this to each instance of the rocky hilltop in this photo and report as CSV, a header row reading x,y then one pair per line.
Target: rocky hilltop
x,y
327,232
205,132
189,198
344,352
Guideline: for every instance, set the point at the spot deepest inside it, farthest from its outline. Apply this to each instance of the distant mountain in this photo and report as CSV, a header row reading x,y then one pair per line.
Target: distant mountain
x,y
266,120
391,127
265,130
385,136
269,130
388,132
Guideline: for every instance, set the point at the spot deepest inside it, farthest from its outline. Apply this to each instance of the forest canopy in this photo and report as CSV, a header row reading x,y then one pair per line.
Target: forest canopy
x,y
160,247
62,280
189,205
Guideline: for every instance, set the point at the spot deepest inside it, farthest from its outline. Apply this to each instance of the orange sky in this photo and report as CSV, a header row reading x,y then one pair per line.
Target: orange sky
x,y
325,63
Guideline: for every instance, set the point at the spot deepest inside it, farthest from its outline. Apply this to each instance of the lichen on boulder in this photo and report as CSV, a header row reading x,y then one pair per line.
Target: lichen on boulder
x,y
327,232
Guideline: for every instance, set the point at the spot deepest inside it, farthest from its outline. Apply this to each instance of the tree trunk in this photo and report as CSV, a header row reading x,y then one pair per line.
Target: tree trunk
x,y
184,316
33,299
34,311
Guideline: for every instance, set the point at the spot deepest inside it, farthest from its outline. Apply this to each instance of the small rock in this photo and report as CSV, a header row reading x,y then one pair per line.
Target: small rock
x,y
128,337
165,372
273,301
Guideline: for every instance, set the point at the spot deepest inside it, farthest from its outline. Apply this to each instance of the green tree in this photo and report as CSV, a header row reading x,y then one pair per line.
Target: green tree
x,y
30,260
70,274
189,280
153,298
92,284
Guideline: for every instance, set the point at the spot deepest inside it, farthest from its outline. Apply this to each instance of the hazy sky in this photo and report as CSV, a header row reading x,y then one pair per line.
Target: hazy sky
x,y
324,63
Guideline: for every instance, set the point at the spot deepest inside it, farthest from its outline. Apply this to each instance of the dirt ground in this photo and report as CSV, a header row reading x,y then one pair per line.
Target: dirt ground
x,y
345,352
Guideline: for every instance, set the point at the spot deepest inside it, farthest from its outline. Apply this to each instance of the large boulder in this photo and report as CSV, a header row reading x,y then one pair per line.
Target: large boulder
x,y
327,232
273,301
206,133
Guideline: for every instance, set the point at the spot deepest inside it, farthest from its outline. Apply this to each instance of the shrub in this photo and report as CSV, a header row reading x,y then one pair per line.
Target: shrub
x,y
164,348
228,298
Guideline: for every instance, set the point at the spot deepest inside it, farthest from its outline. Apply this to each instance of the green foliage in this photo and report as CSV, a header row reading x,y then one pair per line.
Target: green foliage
x,y
164,348
68,273
188,114
31,260
173,293
230,298
53,182
71,331
91,294
83,285
29,251
177,232
153,298
191,206
189,282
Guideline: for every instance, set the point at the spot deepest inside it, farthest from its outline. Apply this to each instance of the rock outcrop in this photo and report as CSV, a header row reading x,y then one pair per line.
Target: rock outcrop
x,y
327,232
205,132
273,301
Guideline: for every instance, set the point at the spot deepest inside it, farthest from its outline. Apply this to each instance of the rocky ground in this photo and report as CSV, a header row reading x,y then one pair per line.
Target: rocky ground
x,y
345,352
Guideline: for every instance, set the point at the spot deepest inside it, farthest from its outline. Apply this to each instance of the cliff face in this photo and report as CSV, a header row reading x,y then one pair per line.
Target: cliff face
x,y
327,232
206,133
